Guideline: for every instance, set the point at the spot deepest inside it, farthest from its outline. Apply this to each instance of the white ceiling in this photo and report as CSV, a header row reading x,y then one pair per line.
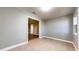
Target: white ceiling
x,y
53,13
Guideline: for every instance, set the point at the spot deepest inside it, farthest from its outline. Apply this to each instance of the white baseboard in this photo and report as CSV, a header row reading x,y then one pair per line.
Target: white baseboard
x,y
13,46
20,44
57,39
40,37
76,49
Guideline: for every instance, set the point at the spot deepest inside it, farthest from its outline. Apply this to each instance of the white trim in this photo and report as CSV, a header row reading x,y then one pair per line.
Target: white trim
x,y
58,39
40,37
75,34
14,46
76,49
35,18
20,44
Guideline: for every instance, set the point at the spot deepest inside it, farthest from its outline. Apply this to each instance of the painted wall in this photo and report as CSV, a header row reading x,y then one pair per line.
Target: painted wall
x,y
43,30
61,28
35,29
78,28
75,35
13,26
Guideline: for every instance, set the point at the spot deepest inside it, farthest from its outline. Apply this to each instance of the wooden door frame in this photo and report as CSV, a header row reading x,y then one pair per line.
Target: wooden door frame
x,y
27,24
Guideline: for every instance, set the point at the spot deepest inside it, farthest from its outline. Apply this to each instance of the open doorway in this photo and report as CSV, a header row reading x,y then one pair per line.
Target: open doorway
x,y
33,29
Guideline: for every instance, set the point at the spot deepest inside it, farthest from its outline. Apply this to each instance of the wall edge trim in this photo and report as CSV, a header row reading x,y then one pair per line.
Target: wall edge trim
x,y
76,49
57,39
13,46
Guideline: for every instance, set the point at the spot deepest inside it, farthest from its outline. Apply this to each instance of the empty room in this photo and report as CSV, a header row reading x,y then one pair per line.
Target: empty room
x,y
39,29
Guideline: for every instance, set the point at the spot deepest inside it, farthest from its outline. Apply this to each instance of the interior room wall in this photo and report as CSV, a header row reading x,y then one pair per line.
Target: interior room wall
x,y
78,27
75,36
13,26
42,26
61,28
35,29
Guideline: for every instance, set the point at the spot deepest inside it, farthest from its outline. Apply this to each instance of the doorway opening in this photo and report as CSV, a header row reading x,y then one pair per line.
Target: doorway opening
x,y
33,29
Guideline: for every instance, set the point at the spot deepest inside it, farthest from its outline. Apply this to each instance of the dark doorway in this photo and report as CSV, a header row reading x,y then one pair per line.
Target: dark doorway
x,y
33,29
